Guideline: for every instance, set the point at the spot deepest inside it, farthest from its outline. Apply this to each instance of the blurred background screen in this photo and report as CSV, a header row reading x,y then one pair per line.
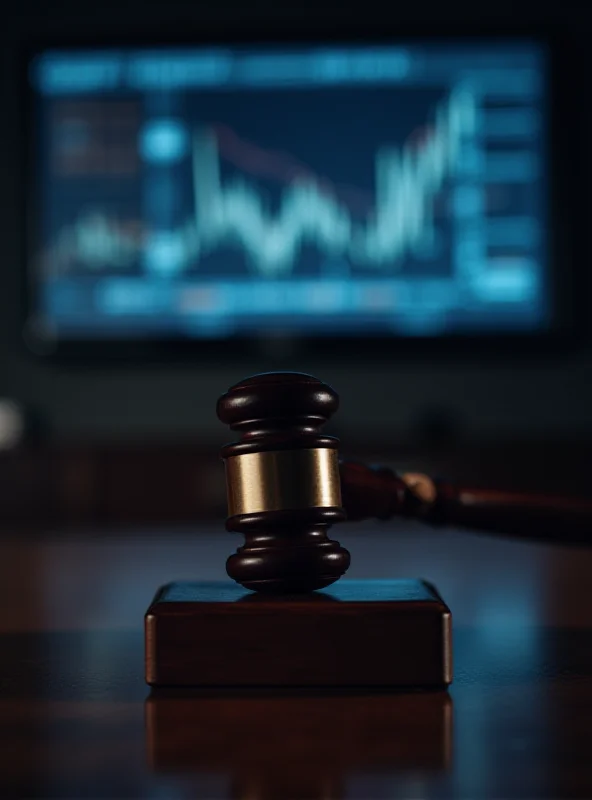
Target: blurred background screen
x,y
319,190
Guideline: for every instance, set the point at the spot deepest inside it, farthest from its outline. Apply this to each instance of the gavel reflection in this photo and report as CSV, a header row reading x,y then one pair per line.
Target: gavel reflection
x,y
286,487
292,746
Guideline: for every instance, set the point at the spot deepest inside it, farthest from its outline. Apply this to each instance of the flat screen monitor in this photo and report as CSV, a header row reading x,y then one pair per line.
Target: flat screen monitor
x,y
321,190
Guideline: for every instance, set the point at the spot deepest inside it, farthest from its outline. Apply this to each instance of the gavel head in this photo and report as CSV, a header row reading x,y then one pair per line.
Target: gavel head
x,y
283,484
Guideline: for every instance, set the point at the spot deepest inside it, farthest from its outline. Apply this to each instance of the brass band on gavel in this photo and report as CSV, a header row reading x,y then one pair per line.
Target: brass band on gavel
x,y
283,479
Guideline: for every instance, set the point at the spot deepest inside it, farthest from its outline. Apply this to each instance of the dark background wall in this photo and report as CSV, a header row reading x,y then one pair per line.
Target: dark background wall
x,y
547,395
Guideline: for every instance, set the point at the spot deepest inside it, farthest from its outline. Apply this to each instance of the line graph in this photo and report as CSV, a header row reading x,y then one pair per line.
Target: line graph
x,y
283,168
373,231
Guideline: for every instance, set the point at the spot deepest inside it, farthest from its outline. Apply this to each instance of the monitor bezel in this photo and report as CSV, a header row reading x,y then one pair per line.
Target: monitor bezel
x,y
566,195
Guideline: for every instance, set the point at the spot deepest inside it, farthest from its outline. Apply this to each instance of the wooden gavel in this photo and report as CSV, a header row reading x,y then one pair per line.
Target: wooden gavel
x,y
286,486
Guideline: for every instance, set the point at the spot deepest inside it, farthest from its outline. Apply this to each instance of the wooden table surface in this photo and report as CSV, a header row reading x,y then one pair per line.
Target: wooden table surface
x,y
77,720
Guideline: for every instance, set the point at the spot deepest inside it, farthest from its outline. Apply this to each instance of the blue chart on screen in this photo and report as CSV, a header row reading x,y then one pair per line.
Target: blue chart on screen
x,y
319,191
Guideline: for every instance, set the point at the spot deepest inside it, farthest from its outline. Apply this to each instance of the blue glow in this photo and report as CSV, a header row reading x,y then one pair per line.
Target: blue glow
x,y
327,190
164,140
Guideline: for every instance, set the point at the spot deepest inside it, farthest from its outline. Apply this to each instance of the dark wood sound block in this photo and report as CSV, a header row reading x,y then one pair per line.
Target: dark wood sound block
x,y
394,633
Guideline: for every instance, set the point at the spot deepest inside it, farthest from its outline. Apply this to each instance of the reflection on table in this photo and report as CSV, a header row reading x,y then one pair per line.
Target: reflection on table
x,y
298,746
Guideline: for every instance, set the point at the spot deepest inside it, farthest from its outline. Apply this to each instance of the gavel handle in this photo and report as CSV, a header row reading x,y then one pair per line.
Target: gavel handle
x,y
379,492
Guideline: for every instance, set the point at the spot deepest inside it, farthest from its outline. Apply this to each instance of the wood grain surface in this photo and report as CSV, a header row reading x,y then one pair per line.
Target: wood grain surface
x,y
77,720
367,634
